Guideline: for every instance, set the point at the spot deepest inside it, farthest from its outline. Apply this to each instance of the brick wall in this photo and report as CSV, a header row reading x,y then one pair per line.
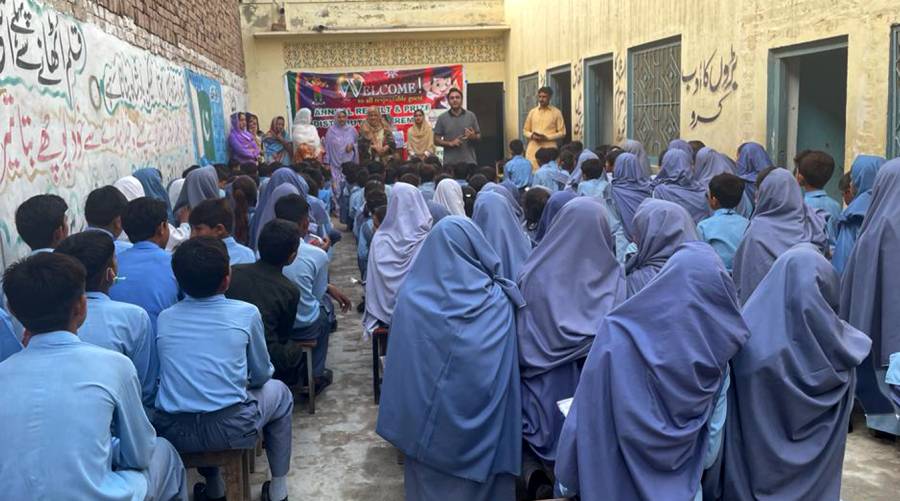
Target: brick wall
x,y
202,34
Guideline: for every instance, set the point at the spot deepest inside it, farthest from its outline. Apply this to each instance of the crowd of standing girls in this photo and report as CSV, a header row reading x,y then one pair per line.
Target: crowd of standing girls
x,y
583,326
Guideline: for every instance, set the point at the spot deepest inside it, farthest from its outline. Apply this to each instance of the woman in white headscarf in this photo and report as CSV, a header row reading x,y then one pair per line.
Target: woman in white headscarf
x,y
449,195
305,137
131,187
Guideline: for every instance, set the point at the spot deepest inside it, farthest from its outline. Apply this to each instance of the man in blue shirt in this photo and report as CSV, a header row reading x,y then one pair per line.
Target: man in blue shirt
x,y
103,212
549,175
214,218
73,423
725,228
215,386
518,168
120,327
309,272
814,170
145,270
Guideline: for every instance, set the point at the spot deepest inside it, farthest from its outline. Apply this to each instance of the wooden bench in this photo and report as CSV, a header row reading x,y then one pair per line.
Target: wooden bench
x,y
379,350
310,388
234,464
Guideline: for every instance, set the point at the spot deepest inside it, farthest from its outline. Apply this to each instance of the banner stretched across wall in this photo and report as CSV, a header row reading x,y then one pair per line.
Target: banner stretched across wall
x,y
205,96
398,93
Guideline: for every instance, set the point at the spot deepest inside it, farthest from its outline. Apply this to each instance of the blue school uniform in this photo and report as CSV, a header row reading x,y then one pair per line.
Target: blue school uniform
x,y
819,199
357,200
518,170
9,343
63,405
309,272
237,253
550,176
124,328
121,245
596,188
427,190
723,231
210,350
149,281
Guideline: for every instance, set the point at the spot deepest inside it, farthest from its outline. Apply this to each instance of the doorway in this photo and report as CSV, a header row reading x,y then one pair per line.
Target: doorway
x,y
560,80
486,101
527,99
598,102
808,103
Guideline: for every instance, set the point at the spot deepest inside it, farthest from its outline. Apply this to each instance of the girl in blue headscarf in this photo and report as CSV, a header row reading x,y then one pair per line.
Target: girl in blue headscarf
x,y
675,183
752,159
151,180
862,180
659,228
792,387
649,404
451,400
630,187
496,218
570,282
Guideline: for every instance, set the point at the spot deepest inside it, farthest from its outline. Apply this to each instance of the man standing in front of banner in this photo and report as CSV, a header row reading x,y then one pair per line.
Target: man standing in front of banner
x,y
544,126
457,130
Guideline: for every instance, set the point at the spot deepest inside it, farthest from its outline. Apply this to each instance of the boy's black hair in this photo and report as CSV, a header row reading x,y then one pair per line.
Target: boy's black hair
x,y
200,265
612,155
94,250
104,205
379,213
427,172
816,167
375,168
489,173
461,171
410,178
727,189
592,169
535,200
292,208
277,241
38,218
375,199
516,147
469,195
42,290
546,155
212,213
142,217
477,182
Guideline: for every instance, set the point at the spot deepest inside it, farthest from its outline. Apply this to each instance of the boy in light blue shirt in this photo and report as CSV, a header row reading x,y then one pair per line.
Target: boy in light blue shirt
x,y
214,218
103,213
518,168
9,343
120,327
814,170
725,229
215,387
73,423
145,270
549,175
309,272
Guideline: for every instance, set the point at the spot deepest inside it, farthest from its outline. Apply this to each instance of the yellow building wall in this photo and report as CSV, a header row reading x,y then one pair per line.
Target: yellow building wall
x,y
545,35
383,34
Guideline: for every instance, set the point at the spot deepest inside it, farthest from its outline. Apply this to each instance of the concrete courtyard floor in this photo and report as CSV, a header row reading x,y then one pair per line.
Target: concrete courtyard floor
x,y
338,457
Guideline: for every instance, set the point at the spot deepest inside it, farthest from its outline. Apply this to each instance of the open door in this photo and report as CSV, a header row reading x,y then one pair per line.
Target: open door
x,y
560,80
598,109
486,101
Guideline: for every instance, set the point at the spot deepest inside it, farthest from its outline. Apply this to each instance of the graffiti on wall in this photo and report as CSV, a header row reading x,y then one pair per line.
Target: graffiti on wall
x,y
713,83
80,109
621,98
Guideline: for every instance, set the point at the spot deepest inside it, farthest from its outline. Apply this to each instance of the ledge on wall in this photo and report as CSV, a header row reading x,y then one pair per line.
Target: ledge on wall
x,y
387,32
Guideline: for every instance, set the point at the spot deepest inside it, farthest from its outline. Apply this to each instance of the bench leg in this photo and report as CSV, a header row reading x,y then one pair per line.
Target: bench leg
x,y
234,484
312,381
376,373
246,460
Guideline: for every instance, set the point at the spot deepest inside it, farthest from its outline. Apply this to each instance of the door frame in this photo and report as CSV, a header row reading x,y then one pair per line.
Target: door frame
x,y
778,93
893,94
557,70
592,120
523,114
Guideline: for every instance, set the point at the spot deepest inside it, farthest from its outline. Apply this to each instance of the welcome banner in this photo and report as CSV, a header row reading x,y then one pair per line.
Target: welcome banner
x,y
398,93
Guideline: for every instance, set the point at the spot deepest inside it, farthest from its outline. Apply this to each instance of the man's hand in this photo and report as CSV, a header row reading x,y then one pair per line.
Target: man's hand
x,y
343,301
537,136
349,148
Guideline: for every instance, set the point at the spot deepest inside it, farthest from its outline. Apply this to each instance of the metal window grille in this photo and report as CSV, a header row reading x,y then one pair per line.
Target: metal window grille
x,y
655,100
894,111
528,86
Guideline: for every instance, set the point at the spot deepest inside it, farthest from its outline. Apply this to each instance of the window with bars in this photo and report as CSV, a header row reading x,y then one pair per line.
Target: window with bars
x,y
893,149
528,86
654,94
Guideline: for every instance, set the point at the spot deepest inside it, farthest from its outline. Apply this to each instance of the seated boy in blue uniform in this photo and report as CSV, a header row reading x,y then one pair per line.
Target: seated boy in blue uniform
x,y
215,387
103,213
725,228
214,218
73,423
120,327
814,170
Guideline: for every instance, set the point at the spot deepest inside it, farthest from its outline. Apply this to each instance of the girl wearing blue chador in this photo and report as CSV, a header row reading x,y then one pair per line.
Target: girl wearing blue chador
x,y
451,400
752,159
781,221
151,180
675,183
554,205
682,146
709,164
281,176
659,228
792,385
630,187
640,425
869,299
511,194
570,282
636,148
862,179
495,216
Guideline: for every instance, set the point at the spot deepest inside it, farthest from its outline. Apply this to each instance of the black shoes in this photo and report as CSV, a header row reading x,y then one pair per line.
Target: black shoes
x,y
265,493
200,493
